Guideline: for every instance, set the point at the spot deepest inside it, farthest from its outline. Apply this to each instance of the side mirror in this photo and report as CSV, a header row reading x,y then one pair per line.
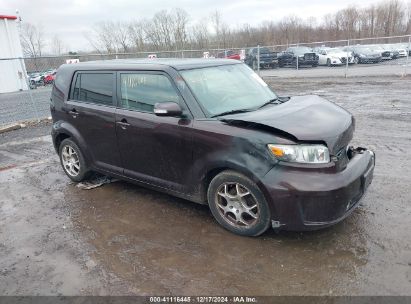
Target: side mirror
x,y
167,109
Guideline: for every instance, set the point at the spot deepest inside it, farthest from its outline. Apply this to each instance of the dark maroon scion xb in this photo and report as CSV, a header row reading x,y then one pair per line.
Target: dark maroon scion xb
x,y
211,131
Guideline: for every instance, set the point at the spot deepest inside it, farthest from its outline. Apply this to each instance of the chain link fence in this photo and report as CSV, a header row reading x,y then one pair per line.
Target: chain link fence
x,y
367,57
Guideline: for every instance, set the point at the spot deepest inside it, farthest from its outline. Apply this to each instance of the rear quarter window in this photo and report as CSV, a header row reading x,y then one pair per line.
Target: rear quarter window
x,y
93,88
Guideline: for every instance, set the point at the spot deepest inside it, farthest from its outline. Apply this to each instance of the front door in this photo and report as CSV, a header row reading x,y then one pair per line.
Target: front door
x,y
155,150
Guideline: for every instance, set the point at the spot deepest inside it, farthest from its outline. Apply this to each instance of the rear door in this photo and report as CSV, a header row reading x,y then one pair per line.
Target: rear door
x,y
91,110
156,150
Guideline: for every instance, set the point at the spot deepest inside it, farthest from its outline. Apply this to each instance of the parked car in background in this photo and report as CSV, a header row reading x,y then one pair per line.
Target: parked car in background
x,y
398,51
268,58
304,55
364,54
36,79
386,52
333,56
406,47
49,79
402,52
229,54
213,132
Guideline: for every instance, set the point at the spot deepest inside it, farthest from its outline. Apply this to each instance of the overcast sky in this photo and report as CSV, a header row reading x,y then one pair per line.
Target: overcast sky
x,y
70,19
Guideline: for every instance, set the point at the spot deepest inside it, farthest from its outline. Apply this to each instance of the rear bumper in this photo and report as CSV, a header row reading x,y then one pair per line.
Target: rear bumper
x,y
308,199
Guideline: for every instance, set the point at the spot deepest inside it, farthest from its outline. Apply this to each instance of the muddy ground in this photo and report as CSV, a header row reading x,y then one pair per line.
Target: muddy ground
x,y
122,239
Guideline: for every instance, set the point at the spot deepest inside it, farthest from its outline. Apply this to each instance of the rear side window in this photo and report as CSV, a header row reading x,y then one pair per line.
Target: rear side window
x,y
141,91
94,88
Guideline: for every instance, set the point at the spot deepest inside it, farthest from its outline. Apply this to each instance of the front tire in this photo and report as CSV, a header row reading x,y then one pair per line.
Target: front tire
x,y
255,68
72,161
238,204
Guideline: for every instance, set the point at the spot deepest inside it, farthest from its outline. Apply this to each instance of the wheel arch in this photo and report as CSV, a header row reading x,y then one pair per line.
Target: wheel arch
x,y
218,168
64,130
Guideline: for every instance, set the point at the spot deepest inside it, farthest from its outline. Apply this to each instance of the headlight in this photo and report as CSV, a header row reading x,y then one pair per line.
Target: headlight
x,y
312,154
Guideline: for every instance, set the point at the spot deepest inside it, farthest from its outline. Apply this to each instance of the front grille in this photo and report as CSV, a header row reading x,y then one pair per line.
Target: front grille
x,y
309,56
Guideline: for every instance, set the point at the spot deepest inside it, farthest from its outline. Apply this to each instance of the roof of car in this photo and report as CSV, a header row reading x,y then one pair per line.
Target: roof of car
x,y
178,64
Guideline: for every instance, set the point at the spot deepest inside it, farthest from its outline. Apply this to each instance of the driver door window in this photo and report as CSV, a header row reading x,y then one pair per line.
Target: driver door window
x,y
141,91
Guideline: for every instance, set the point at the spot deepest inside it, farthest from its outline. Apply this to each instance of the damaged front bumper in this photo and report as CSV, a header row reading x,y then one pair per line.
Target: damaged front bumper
x,y
307,199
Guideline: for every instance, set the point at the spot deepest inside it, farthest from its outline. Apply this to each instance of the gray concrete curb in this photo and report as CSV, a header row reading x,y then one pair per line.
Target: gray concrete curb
x,y
11,127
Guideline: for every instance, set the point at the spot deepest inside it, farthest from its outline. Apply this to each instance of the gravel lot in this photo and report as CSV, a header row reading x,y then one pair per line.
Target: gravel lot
x,y
26,105
122,239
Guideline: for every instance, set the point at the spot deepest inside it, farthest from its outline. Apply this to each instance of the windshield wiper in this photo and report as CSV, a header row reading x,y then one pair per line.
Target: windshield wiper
x,y
271,101
232,112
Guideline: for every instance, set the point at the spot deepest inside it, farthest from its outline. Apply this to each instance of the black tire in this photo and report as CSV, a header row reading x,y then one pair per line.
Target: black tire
x,y
328,62
84,171
255,197
254,65
315,65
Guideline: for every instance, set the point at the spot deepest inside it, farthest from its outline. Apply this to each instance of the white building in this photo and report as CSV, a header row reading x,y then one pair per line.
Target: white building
x,y
12,69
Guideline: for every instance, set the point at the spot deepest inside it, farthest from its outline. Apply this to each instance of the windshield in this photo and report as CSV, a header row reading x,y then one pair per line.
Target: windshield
x,y
228,88
301,50
333,51
264,50
366,51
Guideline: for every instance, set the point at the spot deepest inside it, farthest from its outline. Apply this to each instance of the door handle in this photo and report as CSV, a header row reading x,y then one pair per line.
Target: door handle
x,y
123,123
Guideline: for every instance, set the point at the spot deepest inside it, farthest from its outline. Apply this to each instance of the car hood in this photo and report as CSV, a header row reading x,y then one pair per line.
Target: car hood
x,y
305,118
373,53
339,54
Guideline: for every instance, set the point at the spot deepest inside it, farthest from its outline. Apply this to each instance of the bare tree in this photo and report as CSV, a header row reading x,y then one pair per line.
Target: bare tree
x,y
179,19
121,36
408,19
217,24
57,45
170,30
349,22
32,40
137,35
200,36
103,38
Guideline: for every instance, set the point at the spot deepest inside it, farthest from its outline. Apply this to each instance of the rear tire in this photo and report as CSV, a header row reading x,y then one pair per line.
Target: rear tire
x,y
238,204
73,161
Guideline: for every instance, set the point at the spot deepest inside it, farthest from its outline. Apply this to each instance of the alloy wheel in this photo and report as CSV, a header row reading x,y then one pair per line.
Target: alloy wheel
x,y
237,205
70,160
